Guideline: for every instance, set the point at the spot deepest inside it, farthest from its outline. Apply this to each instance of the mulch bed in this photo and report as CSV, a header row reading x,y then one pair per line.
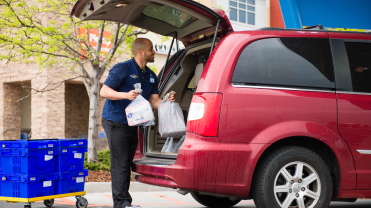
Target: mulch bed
x,y
99,176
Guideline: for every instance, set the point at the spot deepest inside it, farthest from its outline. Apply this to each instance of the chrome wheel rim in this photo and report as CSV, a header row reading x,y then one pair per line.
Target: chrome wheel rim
x,y
297,185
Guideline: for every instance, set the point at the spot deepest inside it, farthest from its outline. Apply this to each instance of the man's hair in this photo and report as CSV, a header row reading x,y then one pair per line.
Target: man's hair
x,y
139,44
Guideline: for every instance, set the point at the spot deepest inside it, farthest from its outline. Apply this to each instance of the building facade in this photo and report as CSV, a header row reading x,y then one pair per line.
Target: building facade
x,y
59,113
64,112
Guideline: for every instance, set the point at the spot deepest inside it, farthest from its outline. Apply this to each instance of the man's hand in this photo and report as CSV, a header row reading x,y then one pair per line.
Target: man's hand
x,y
155,100
132,94
172,97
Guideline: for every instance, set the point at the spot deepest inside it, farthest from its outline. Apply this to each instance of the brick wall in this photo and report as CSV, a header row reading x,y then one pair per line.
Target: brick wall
x,y
76,111
11,111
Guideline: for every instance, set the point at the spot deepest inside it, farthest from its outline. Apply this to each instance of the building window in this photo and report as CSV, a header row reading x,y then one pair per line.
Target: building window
x,y
242,11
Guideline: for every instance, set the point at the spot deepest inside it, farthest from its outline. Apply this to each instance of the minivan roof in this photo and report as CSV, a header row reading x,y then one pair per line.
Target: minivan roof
x,y
313,30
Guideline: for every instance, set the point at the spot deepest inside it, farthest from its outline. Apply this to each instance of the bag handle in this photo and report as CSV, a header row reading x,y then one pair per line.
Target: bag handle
x,y
167,96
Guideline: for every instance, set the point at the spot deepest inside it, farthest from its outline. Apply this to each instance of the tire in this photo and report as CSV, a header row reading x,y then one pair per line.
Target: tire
x,y
212,201
276,183
81,202
49,202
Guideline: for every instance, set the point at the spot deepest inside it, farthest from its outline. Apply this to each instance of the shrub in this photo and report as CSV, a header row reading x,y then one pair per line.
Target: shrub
x,y
103,163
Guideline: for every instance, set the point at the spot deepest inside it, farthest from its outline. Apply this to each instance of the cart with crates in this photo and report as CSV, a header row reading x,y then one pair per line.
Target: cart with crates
x,y
43,170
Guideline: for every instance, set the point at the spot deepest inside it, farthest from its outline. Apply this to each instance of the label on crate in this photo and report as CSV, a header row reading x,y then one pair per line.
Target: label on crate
x,y
81,173
32,179
3,178
47,183
79,179
50,152
48,157
78,155
81,143
65,150
3,145
50,145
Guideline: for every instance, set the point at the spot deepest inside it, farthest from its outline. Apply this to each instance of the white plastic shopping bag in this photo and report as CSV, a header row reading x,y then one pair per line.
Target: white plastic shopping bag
x,y
179,144
169,145
171,119
139,112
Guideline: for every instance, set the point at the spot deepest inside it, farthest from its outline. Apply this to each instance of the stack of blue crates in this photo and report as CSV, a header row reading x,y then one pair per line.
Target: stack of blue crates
x,y
34,168
70,165
27,168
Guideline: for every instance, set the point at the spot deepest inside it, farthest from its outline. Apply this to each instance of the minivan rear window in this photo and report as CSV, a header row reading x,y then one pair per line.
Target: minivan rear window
x,y
170,15
291,62
359,56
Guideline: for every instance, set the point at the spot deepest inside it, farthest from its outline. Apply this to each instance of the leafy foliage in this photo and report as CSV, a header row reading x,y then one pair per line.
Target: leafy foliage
x,y
28,34
42,32
103,163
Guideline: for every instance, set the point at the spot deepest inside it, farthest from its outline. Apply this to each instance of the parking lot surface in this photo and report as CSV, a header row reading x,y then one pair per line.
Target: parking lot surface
x,y
157,199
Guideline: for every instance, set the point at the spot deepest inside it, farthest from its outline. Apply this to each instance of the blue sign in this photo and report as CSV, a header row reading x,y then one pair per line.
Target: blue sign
x,y
355,14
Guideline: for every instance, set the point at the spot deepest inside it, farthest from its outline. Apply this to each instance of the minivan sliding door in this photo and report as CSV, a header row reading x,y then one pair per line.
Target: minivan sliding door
x,y
353,79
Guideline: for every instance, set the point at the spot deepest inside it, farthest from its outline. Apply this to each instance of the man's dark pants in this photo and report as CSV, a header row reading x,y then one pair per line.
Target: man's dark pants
x,y
123,141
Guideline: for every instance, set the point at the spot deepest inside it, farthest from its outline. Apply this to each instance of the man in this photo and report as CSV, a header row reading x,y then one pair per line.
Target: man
x,y
119,91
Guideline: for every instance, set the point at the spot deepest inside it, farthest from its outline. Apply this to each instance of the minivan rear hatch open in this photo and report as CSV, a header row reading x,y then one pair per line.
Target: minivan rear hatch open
x,y
186,20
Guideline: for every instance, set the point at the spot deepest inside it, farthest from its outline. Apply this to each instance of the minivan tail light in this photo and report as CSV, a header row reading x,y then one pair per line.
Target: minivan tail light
x,y
203,115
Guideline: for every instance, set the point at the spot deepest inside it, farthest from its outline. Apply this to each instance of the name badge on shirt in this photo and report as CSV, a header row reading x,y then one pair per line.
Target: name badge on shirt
x,y
152,80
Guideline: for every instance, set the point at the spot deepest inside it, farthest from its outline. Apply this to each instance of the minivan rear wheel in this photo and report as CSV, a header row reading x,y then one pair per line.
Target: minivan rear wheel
x,y
292,177
213,201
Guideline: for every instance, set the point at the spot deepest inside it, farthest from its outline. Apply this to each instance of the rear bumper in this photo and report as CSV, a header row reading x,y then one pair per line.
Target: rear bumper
x,y
206,164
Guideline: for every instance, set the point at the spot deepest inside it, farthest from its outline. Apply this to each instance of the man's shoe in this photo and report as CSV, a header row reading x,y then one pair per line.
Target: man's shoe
x,y
133,206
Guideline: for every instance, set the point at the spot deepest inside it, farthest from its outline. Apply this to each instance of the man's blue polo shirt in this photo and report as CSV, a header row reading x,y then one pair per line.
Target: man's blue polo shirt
x,y
122,78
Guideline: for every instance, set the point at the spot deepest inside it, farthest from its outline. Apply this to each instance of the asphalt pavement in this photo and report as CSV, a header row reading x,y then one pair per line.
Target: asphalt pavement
x,y
99,196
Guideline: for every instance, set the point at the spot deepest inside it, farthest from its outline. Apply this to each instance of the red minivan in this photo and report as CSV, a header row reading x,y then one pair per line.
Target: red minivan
x,y
279,116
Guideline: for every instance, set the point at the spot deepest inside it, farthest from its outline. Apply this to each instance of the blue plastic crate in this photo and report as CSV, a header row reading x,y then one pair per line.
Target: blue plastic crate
x,y
31,144
27,186
72,142
70,182
27,161
70,159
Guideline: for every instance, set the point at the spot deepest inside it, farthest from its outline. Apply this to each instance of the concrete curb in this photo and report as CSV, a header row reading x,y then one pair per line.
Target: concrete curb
x,y
105,187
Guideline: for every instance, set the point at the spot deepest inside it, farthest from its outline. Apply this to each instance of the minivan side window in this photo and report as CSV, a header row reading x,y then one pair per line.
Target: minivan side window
x,y
359,56
286,62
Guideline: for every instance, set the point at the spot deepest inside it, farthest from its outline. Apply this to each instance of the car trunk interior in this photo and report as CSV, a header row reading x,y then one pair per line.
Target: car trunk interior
x,y
182,81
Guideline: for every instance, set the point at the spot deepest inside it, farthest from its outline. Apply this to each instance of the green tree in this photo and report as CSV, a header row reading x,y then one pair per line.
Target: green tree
x,y
25,36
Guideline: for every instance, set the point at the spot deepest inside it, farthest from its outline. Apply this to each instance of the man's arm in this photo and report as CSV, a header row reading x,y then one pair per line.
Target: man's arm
x,y
110,94
155,99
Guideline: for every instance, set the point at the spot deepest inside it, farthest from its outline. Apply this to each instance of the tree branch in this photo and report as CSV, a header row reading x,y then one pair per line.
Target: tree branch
x,y
88,38
86,76
73,50
122,39
33,51
16,15
99,44
112,50
56,85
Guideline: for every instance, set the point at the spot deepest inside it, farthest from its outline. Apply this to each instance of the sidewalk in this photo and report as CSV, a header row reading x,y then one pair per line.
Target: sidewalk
x,y
158,199
147,196
103,187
